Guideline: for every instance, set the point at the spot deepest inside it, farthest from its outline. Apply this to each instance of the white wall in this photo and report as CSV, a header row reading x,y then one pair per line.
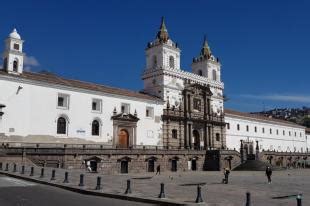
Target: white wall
x,y
266,140
33,111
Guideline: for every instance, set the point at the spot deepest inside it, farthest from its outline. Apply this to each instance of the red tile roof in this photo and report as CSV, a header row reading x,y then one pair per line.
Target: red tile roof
x,y
57,80
261,118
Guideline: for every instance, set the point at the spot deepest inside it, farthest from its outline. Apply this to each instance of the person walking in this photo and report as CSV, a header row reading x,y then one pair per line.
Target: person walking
x,y
226,174
158,170
268,173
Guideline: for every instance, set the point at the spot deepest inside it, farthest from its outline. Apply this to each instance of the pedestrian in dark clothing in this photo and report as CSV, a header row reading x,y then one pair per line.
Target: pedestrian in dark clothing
x,y
158,170
268,174
226,174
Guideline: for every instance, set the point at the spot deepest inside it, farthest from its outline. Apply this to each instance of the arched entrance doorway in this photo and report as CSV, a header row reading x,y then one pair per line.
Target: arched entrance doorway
x,y
123,138
196,137
151,165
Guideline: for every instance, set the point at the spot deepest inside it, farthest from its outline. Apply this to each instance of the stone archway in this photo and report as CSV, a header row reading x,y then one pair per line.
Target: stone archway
x,y
123,138
196,138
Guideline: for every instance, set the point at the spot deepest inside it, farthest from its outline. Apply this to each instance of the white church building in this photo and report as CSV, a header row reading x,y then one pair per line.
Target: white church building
x,y
36,104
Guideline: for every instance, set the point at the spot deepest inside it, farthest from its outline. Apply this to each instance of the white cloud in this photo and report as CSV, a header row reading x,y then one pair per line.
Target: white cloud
x,y
279,97
30,62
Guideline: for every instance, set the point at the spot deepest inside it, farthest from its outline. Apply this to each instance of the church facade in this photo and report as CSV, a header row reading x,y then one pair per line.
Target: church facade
x,y
175,109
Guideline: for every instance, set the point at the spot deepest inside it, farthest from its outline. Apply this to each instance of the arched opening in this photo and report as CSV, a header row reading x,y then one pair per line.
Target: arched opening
x,y
196,137
174,165
199,72
214,75
5,63
194,164
61,125
151,165
15,65
154,61
95,128
123,138
171,62
124,166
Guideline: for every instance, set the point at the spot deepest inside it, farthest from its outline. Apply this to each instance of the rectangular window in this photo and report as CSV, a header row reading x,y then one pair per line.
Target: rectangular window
x,y
270,131
228,126
247,128
238,127
63,101
263,130
125,108
16,46
283,132
96,105
277,132
295,134
149,112
217,137
289,133
197,104
255,129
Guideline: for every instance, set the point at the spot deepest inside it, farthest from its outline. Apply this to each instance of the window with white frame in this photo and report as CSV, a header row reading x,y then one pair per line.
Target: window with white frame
x,y
63,101
96,105
149,112
125,108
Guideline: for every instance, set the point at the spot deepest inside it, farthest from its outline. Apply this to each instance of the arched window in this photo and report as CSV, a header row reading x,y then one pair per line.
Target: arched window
x,y
171,62
61,126
214,75
95,127
15,65
5,63
154,61
199,72
174,133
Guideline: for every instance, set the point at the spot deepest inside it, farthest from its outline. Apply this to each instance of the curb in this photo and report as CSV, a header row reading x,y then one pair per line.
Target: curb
x,y
103,194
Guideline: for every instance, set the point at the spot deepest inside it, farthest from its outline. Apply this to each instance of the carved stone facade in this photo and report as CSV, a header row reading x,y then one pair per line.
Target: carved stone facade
x,y
193,125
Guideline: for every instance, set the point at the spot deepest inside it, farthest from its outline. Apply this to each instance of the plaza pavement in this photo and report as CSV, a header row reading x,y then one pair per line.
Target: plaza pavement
x,y
182,186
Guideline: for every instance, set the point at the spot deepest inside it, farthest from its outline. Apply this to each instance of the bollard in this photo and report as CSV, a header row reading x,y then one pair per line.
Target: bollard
x,y
7,167
53,175
14,168
81,180
1,165
162,191
299,198
128,189
66,180
42,173
248,199
31,171
98,187
199,198
23,170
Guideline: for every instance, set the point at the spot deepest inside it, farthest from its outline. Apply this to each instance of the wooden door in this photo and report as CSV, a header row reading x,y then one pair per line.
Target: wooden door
x,y
123,139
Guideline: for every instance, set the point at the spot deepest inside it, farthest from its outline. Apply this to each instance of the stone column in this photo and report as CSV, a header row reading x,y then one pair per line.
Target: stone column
x,y
257,151
241,151
190,135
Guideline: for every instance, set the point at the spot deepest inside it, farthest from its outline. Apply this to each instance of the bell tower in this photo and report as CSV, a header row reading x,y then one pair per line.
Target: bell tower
x,y
206,64
162,55
13,56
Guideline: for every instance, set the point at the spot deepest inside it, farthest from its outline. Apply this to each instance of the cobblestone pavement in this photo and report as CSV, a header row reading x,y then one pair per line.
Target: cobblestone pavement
x,y
183,186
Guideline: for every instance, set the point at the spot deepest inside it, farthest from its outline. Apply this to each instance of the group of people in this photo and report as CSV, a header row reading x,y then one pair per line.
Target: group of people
x,y
268,173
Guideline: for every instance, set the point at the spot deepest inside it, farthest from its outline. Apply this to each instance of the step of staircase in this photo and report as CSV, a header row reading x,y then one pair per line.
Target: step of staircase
x,y
255,165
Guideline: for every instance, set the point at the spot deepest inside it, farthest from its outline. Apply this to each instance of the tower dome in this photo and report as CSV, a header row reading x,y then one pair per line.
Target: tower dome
x,y
14,34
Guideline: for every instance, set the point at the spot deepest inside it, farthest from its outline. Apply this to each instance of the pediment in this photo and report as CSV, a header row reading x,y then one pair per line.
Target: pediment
x,y
125,117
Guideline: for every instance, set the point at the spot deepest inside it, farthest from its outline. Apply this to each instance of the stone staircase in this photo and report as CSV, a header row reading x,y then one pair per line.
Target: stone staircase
x,y
255,165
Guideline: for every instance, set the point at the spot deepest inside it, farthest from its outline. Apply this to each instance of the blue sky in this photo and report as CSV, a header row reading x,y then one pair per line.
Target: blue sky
x,y
263,45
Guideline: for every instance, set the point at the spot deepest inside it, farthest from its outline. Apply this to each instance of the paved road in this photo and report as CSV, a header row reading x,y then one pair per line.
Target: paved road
x,y
15,192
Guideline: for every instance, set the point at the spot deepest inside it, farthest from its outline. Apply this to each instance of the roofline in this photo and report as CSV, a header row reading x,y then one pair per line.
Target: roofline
x,y
19,78
260,118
